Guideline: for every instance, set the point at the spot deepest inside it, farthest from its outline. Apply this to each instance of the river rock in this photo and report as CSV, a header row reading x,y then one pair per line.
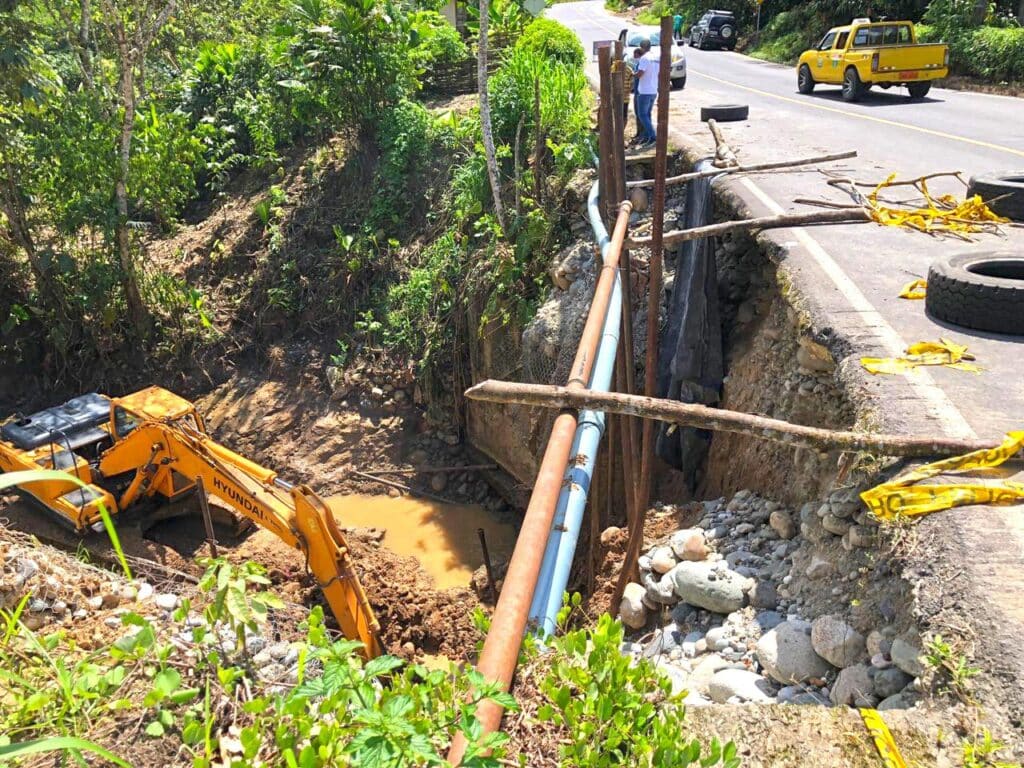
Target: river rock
x,y
612,536
763,595
689,544
862,536
902,700
889,682
438,482
853,684
660,591
707,586
717,638
782,523
167,601
880,641
787,655
907,656
700,677
95,602
663,561
741,683
835,525
632,610
819,568
837,642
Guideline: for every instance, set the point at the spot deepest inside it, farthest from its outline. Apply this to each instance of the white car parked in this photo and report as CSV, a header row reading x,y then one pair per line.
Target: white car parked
x,y
631,40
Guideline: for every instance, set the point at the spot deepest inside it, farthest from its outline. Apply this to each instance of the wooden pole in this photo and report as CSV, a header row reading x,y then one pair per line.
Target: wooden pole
x,y
685,177
721,420
204,505
842,216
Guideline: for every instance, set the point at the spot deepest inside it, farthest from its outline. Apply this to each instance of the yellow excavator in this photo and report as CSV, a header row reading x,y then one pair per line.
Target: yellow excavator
x,y
153,444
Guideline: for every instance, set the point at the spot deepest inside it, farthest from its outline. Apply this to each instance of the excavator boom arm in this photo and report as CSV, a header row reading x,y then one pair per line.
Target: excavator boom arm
x,y
162,453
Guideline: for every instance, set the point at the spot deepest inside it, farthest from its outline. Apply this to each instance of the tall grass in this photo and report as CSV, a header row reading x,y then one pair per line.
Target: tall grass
x,y
27,477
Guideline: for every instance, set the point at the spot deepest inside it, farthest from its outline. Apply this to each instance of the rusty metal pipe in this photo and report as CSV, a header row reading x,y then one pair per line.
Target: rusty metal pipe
x,y
508,623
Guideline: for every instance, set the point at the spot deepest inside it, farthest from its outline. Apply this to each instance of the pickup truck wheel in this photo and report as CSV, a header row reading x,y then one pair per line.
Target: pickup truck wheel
x,y
984,291
1003,192
804,80
853,88
919,90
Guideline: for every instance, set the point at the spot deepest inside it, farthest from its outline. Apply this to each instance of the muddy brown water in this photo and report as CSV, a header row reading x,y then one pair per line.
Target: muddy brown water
x,y
442,537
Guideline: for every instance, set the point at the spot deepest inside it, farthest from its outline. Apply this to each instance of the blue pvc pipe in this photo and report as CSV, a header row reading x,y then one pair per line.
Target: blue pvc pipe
x,y
565,532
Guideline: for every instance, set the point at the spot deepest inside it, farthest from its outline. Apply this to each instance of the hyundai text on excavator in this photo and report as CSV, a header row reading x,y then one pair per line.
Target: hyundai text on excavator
x,y
153,444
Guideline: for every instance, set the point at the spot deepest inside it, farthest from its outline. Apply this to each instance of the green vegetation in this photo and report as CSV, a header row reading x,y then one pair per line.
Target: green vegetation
x,y
982,752
951,667
203,700
988,44
549,38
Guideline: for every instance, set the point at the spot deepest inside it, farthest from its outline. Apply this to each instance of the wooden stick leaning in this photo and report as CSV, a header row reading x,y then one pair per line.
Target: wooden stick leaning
x,y
721,420
840,216
754,168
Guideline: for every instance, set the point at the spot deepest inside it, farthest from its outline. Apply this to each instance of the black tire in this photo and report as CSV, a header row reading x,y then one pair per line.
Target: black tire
x,y
853,88
700,44
692,43
919,90
679,83
984,291
725,113
1003,191
727,34
804,80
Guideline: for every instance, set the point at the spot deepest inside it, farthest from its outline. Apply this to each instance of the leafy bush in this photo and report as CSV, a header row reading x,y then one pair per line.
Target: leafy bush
x,y
406,139
996,53
616,711
551,39
436,42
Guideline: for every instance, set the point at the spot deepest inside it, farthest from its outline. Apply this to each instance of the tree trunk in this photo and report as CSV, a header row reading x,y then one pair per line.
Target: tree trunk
x,y
485,118
136,309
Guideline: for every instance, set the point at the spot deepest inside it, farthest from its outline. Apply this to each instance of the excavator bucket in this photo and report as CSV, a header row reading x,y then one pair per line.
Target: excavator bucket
x,y
333,570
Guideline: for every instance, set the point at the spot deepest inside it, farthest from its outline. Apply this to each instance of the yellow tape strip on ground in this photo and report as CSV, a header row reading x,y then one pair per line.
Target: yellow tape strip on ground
x,y
943,352
884,742
914,290
899,497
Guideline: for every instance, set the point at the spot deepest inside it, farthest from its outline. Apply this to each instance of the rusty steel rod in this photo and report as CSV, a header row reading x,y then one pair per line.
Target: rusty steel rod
x,y
777,165
487,563
508,623
636,525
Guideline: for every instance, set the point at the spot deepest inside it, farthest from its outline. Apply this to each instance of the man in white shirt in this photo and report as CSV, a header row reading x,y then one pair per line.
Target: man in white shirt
x,y
646,91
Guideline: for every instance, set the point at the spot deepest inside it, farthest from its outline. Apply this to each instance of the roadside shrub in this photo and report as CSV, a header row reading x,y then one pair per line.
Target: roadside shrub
x,y
551,39
787,35
996,53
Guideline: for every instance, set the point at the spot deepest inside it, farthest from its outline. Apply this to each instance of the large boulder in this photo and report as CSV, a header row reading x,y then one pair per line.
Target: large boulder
x,y
709,585
837,642
907,655
787,655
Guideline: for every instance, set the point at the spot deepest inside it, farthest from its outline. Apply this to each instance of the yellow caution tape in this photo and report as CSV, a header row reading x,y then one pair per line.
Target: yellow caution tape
x,y
882,736
914,290
942,214
899,497
943,352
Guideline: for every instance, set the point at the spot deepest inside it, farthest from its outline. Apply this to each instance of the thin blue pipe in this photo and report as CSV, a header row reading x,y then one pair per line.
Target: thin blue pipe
x,y
565,532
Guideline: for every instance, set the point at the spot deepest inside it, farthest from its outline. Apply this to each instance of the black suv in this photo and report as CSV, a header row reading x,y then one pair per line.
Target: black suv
x,y
715,28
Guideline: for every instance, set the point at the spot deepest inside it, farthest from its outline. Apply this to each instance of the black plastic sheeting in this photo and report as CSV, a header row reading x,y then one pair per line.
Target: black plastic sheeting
x,y
690,363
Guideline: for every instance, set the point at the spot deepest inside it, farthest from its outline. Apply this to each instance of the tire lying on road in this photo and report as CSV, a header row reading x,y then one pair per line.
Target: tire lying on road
x,y
725,113
984,291
1003,191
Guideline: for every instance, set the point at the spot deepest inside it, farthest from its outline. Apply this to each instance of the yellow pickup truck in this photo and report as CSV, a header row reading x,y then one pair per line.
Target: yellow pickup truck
x,y
866,53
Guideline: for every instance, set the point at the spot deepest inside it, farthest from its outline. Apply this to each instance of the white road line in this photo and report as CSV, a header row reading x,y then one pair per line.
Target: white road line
x,y
941,407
